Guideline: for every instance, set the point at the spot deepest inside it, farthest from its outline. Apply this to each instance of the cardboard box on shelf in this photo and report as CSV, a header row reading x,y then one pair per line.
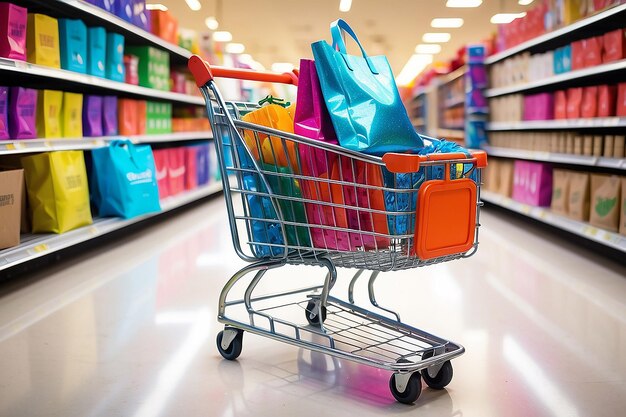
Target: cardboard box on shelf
x,y
618,146
560,191
505,177
12,195
608,146
588,145
622,205
114,65
597,145
42,40
578,145
154,67
164,25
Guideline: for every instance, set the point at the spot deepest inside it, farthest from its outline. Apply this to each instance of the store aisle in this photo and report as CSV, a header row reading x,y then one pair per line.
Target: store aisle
x,y
129,330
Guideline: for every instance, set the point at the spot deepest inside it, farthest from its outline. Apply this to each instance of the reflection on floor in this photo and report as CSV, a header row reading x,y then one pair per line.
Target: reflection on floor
x,y
129,329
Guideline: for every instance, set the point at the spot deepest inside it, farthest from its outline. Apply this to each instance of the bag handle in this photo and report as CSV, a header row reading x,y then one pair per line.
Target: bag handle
x,y
336,29
120,143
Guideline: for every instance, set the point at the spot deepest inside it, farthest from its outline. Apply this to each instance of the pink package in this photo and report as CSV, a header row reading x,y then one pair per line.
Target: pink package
x,y
161,165
176,170
532,183
13,31
191,168
4,104
22,112
178,82
539,106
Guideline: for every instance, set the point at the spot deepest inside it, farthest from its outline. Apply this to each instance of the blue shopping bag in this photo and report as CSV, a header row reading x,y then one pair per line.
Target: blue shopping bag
x,y
362,98
125,176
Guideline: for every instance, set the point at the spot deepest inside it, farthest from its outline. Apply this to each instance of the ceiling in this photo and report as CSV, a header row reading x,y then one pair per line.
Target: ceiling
x,y
282,30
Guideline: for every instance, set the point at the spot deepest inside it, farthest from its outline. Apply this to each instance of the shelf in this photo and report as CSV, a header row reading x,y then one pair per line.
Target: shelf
x,y
451,133
559,79
448,78
48,145
96,16
613,240
454,102
418,122
561,158
558,33
74,78
35,246
561,124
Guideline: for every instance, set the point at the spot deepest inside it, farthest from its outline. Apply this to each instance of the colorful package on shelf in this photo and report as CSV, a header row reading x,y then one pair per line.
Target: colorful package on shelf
x,y
475,133
614,45
606,100
164,25
131,66
532,183
92,116
4,106
191,167
622,204
96,51
57,191
560,105
13,20
605,199
108,5
72,115
154,67
22,113
162,174
592,51
126,180
141,17
574,102
158,117
142,106
73,41
176,170
42,40
569,11
124,9
578,56
11,189
578,202
539,106
131,116
49,107
621,100
589,107
109,116
178,81
115,57
560,191
203,165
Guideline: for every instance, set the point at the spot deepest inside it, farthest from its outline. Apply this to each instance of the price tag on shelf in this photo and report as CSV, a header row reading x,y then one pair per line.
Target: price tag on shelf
x,y
590,231
543,215
525,209
48,144
93,230
43,247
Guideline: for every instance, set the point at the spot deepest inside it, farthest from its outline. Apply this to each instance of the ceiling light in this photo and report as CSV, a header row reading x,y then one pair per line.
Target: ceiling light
x,y
502,18
453,22
524,2
211,23
344,5
464,3
157,6
435,37
282,67
222,36
428,48
194,5
413,67
235,48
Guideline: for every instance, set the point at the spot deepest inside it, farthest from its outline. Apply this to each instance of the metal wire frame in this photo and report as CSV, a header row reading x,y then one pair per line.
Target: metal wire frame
x,y
290,212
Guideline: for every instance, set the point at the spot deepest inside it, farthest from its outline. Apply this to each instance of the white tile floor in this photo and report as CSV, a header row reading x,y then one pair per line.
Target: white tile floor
x,y
129,330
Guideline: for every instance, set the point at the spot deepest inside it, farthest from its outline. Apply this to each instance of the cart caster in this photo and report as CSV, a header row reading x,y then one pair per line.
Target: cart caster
x,y
443,377
312,313
412,389
232,350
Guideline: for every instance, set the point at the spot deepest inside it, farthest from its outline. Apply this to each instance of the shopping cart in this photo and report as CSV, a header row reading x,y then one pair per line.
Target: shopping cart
x,y
296,201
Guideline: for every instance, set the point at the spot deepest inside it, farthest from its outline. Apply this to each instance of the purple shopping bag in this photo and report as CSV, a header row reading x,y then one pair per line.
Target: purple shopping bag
x,y
22,113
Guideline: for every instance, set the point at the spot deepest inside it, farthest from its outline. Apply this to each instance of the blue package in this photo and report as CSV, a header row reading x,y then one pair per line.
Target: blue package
x,y
96,51
73,45
141,17
114,67
202,164
557,66
401,200
108,5
124,10
475,54
566,58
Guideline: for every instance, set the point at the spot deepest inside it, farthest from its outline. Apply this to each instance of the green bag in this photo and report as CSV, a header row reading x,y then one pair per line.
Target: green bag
x,y
57,191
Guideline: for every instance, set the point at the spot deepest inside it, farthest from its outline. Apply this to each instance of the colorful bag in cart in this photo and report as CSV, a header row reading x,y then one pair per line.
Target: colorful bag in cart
x,y
362,98
57,191
126,179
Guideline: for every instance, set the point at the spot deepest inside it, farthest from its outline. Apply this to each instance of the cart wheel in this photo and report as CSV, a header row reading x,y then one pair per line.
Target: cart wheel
x,y
234,350
411,392
443,377
315,319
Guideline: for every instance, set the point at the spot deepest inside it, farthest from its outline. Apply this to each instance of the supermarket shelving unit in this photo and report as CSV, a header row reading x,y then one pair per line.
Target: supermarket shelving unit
x,y
601,22
451,98
36,76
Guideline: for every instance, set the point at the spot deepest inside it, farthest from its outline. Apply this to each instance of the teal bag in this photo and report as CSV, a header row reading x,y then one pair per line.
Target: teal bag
x,y
362,98
126,179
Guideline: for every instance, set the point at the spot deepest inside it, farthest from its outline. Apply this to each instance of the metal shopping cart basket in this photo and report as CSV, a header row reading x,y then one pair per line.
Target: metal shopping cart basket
x,y
296,201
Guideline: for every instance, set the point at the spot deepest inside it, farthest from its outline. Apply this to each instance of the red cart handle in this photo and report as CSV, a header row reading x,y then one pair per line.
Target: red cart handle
x,y
407,163
203,72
